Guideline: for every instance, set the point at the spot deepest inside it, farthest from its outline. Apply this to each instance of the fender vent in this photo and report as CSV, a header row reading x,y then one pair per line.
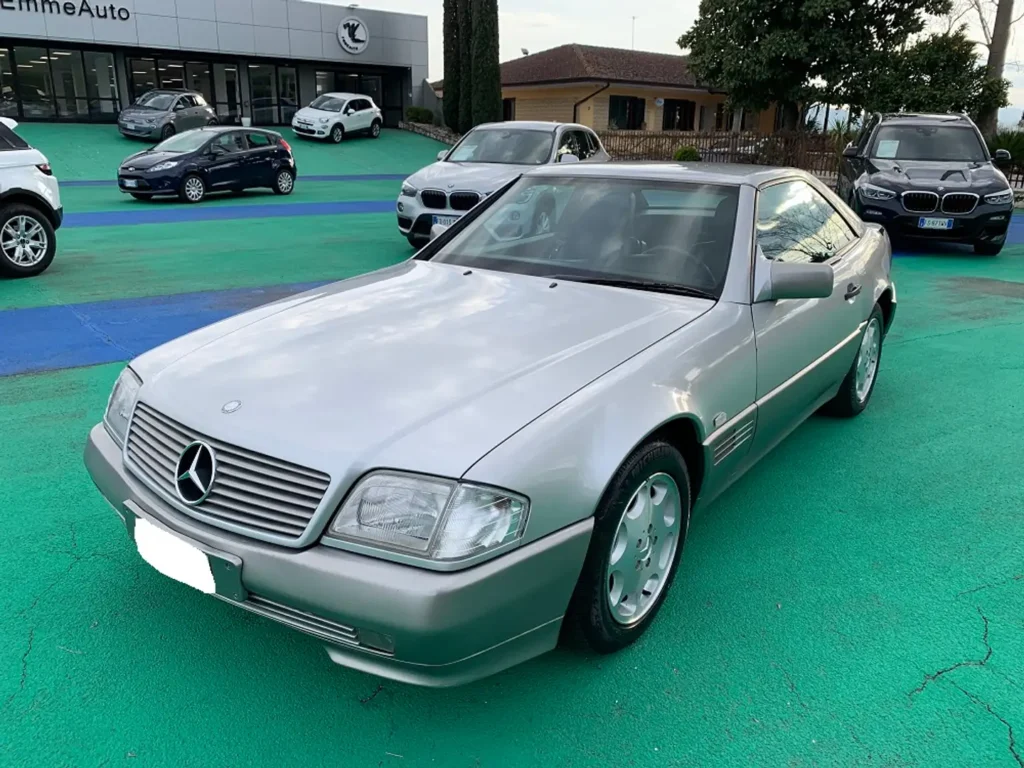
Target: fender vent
x,y
733,440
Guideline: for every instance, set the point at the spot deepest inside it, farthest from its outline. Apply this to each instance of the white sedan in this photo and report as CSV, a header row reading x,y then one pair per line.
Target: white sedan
x,y
482,162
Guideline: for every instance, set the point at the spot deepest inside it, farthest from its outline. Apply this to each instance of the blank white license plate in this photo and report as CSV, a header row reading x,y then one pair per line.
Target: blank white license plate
x,y
131,183
175,558
130,126
927,223
445,221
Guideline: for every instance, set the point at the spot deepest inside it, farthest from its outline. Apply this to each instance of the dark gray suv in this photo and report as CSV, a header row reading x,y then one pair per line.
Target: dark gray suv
x,y
161,113
928,177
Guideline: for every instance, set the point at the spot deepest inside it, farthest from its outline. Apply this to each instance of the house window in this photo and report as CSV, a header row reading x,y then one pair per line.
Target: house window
x,y
678,115
750,120
723,118
508,109
626,113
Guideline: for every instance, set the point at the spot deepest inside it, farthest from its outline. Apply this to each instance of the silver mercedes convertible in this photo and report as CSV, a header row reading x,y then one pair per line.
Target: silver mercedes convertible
x,y
440,467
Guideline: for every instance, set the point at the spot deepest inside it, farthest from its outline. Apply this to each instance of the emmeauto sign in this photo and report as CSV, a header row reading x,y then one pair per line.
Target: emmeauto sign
x,y
68,8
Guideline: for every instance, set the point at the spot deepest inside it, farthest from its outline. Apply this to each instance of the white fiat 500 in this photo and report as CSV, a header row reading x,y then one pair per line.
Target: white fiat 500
x,y
337,115
485,159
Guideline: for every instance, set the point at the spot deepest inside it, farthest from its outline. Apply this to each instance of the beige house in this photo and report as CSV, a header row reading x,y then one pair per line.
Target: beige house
x,y
617,89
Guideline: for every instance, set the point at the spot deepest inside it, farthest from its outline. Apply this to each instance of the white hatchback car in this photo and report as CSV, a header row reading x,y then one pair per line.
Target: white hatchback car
x,y
482,162
30,208
337,115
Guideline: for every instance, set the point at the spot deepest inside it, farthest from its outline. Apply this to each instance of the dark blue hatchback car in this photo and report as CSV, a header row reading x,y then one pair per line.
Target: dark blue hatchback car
x,y
195,163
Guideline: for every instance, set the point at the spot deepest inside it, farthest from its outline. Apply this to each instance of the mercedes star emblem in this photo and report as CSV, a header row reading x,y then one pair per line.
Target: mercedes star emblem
x,y
231,406
195,472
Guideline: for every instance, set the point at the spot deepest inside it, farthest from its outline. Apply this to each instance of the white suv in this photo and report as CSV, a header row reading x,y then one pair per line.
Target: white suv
x,y
30,209
337,115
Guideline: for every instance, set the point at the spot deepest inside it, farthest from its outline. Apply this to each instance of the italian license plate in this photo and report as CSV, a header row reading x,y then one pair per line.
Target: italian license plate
x,y
445,221
175,558
131,183
130,126
928,223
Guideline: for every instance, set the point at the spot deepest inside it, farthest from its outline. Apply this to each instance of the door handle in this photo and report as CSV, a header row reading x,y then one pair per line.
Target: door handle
x,y
851,290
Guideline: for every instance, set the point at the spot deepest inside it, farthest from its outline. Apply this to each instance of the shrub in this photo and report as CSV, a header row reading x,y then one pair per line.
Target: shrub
x,y
419,115
1012,141
686,154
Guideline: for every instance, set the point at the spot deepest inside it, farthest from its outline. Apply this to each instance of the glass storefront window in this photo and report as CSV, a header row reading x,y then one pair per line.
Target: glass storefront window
x,y
197,77
347,83
69,84
8,97
324,82
35,87
101,85
370,86
229,94
288,92
143,76
171,73
263,94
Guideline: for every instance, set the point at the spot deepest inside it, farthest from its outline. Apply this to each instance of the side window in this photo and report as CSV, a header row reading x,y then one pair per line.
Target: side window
x,y
230,142
865,135
569,144
592,140
358,105
188,101
259,140
796,224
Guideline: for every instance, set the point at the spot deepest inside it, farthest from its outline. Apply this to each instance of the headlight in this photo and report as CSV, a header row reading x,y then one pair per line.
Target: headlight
x,y
408,190
432,517
871,192
324,120
119,407
164,166
1000,198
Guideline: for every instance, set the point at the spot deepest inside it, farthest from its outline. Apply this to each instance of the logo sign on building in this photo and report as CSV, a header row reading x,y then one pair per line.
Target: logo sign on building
x,y
659,102
68,8
353,35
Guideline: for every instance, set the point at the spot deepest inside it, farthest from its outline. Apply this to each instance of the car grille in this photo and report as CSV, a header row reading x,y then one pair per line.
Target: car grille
x,y
920,202
434,198
463,201
959,202
256,492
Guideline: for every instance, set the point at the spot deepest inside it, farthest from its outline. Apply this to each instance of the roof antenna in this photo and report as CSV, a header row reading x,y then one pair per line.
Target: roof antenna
x,y
632,35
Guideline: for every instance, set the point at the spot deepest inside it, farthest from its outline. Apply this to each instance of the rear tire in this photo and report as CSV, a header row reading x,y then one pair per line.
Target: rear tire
x,y
988,249
337,134
375,129
193,189
855,391
620,592
27,241
284,182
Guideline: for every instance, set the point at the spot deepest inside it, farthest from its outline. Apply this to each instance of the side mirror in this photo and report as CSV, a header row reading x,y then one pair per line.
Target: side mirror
x,y
441,154
567,158
1002,157
850,151
800,281
178,107
436,230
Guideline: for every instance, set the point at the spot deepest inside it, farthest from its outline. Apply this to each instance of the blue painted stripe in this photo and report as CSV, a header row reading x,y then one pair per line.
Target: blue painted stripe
x,y
51,338
157,214
323,177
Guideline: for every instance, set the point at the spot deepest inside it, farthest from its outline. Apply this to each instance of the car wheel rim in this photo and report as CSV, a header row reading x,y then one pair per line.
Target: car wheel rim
x,y
284,181
194,189
867,359
24,241
376,130
643,549
336,134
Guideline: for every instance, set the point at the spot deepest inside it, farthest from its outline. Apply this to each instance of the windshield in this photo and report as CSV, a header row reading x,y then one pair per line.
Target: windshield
x,y
156,100
513,147
189,141
604,229
328,103
928,142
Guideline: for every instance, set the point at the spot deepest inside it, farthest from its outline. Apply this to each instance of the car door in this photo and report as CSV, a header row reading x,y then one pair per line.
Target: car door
x,y
225,159
804,346
259,159
360,114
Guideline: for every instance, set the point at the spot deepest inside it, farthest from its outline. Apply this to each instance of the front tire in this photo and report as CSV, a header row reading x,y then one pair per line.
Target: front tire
x,y
855,391
167,131
284,182
639,529
988,249
27,241
193,189
337,134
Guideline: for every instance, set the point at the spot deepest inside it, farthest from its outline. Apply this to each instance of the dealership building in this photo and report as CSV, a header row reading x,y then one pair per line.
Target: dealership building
x,y
83,60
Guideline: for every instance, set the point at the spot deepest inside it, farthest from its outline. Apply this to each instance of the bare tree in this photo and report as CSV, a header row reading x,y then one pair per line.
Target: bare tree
x,y
997,35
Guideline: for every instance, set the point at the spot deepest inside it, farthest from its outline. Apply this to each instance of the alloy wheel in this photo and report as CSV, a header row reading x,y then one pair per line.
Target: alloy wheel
x,y
24,241
194,189
285,182
867,359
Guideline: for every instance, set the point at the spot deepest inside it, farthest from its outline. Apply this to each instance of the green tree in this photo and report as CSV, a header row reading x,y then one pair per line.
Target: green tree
x,y
798,51
486,69
939,73
452,64
465,35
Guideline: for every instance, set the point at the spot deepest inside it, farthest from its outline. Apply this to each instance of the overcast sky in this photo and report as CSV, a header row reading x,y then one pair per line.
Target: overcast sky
x,y
537,25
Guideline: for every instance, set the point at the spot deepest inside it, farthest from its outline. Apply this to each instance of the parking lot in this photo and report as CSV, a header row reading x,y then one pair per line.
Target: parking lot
x,y
855,600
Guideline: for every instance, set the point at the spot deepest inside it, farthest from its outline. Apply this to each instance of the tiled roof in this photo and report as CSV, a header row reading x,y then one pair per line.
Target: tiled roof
x,y
575,63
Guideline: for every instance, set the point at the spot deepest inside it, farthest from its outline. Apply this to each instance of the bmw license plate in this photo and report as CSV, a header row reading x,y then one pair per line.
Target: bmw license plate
x,y
928,223
131,183
445,221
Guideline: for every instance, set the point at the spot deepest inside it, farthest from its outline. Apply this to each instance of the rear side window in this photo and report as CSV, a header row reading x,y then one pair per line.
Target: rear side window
x,y
10,140
259,140
199,100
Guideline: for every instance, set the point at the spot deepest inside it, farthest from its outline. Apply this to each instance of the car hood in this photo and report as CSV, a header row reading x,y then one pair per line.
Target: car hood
x,y
308,113
475,177
138,113
421,366
149,158
931,174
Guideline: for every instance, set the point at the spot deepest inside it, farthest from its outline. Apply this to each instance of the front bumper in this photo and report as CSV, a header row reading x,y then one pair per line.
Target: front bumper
x,y
58,217
395,621
312,131
986,223
140,131
153,184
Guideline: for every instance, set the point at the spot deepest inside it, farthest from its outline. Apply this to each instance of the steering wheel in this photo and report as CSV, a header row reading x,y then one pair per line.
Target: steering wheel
x,y
687,256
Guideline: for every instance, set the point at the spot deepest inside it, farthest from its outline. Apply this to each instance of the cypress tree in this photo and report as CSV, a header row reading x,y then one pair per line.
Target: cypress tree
x,y
486,78
452,64
465,24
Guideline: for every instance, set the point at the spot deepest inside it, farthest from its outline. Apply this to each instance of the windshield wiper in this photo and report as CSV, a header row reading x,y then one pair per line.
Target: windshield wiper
x,y
639,285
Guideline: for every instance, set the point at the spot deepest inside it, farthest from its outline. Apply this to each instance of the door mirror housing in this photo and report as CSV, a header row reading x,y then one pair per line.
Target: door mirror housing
x,y
178,107
568,158
799,281
851,151
441,155
1002,157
